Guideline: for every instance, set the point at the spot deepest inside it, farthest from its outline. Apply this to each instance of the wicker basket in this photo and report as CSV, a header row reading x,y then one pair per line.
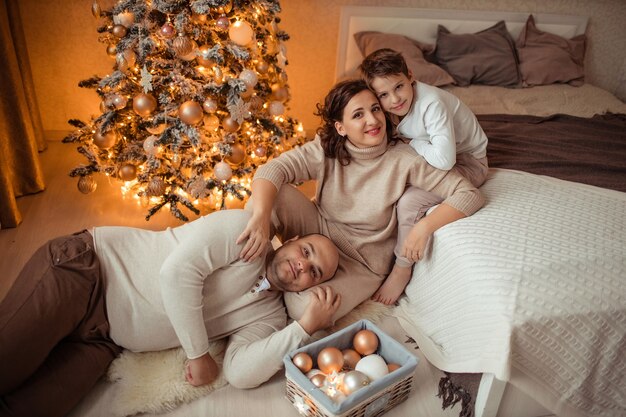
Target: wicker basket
x,y
373,400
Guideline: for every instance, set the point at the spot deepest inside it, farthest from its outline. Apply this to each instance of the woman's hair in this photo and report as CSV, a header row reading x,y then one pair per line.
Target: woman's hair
x,y
332,111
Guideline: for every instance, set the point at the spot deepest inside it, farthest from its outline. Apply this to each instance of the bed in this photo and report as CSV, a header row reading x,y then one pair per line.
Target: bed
x,y
531,290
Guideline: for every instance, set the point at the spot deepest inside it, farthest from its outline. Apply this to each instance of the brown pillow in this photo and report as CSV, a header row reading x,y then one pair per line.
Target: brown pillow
x,y
410,49
546,58
485,57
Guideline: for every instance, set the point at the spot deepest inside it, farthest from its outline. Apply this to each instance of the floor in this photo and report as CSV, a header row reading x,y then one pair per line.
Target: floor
x,y
62,209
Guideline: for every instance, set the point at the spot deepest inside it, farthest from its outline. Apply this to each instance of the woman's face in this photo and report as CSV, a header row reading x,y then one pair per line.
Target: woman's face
x,y
363,121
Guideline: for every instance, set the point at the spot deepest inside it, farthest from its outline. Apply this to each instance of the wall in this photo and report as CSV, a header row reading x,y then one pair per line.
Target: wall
x,y
63,48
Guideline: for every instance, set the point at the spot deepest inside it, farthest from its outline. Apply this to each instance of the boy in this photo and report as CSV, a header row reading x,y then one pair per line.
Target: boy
x,y
442,129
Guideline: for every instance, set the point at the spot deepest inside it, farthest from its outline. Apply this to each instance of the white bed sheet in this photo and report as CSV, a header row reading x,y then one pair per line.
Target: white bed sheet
x,y
531,288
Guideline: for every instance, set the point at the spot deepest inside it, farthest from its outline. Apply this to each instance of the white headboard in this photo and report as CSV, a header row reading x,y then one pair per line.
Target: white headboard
x,y
421,25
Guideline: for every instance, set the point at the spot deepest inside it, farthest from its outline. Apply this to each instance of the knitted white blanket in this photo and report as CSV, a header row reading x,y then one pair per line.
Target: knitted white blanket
x,y
531,288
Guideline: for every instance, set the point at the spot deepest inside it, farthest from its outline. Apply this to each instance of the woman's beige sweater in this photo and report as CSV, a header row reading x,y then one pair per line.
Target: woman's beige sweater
x,y
358,200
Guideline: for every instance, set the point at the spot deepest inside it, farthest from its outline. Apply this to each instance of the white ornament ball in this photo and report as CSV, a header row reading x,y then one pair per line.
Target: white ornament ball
x,y
119,101
249,77
276,108
149,145
241,33
374,366
223,171
209,105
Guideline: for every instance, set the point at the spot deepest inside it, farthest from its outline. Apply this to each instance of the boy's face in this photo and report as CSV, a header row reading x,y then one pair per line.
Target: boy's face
x,y
395,93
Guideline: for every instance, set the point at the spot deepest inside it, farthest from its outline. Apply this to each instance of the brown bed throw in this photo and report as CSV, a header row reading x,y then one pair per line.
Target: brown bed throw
x,y
586,150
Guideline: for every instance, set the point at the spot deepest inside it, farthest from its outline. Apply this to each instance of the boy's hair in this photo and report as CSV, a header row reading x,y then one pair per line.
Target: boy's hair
x,y
383,63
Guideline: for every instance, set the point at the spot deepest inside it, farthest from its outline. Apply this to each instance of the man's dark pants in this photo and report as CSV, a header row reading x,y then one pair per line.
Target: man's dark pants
x,y
54,333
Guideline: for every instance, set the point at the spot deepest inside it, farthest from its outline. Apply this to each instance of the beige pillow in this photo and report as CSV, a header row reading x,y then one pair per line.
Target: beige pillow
x,y
546,58
486,57
411,50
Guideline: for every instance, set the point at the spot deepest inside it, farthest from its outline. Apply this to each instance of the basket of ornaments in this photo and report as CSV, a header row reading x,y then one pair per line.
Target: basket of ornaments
x,y
359,371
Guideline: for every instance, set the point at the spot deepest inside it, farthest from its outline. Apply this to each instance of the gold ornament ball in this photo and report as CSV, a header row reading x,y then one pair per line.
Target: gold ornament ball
x,y
354,381
119,31
318,379
330,359
229,124
260,151
144,104
262,67
168,30
87,184
303,362
155,130
365,342
156,187
238,154
126,59
350,358
112,50
125,19
222,23
209,105
191,55
211,122
104,140
119,101
190,112
203,50
182,45
248,92
392,367
128,172
279,92
222,171
225,8
241,33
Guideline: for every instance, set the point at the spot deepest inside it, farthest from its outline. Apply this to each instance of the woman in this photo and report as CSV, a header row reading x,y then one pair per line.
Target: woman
x,y
361,173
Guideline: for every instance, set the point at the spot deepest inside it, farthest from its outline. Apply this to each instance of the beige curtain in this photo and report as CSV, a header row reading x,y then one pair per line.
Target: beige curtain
x,y
21,131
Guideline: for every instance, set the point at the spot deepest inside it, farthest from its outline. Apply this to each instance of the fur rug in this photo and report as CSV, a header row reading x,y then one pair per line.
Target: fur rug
x,y
154,382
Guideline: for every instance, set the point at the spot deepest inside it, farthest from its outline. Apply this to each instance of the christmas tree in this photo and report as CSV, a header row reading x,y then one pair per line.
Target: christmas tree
x,y
195,102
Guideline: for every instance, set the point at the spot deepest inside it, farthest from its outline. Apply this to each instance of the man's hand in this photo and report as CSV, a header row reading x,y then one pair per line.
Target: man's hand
x,y
257,234
323,303
201,371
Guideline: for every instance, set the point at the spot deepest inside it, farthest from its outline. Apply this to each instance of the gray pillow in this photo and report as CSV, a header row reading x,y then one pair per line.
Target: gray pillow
x,y
486,57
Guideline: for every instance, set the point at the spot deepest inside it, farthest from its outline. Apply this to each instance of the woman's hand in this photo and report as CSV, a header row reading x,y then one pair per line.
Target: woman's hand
x,y
256,235
201,371
323,303
415,243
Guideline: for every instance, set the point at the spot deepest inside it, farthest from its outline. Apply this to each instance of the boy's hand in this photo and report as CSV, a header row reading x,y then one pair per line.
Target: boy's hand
x,y
415,243
201,371
323,303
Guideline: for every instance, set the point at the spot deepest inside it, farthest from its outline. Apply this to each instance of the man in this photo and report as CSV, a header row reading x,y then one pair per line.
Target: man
x,y
82,298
